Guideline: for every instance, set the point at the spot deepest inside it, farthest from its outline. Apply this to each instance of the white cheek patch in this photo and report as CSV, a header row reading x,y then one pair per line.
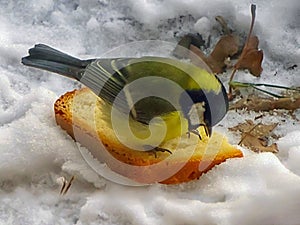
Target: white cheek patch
x,y
196,113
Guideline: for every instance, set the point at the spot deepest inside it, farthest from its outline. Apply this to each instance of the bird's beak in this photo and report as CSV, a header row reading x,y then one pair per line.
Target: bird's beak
x,y
208,130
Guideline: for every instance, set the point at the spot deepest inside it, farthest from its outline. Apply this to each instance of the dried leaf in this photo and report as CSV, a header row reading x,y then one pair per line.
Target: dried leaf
x,y
252,43
194,56
255,136
259,130
227,46
257,103
252,57
243,127
257,144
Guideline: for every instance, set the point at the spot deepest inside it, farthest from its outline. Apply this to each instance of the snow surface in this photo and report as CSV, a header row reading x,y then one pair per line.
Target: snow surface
x,y
257,189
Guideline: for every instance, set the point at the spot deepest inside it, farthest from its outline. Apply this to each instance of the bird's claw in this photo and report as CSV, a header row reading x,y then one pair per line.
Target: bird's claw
x,y
159,149
196,132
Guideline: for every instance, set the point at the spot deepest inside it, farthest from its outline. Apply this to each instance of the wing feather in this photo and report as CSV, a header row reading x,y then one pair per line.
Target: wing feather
x,y
106,79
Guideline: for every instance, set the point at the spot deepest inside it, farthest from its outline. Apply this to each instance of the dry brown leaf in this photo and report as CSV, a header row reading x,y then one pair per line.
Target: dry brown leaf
x,y
255,136
251,58
258,145
252,43
257,103
259,130
226,47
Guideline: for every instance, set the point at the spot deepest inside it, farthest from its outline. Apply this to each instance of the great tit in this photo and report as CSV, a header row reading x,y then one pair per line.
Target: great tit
x,y
200,99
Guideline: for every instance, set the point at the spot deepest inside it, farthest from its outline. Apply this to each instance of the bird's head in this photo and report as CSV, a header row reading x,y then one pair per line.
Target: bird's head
x,y
204,108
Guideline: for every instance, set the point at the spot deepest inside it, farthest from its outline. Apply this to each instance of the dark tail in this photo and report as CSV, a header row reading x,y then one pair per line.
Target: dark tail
x,y
44,57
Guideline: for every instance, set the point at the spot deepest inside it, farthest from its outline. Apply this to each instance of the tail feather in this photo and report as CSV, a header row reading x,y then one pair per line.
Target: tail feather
x,y
44,57
60,68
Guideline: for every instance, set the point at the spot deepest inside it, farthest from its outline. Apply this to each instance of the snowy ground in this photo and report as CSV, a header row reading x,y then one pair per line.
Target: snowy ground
x,y
257,189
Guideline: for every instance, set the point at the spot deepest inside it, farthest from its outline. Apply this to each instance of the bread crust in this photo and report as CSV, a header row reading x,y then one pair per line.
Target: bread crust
x,y
141,166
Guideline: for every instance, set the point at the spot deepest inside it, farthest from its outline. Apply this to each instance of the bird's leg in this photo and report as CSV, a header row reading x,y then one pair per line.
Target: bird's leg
x,y
158,149
188,134
196,132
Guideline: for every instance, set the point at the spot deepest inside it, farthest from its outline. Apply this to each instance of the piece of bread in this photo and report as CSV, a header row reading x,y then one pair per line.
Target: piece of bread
x,y
87,119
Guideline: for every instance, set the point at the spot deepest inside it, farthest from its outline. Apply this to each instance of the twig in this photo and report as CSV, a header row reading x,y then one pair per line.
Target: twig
x,y
66,185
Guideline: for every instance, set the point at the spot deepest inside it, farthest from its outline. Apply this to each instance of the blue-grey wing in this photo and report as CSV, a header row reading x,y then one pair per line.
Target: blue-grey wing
x,y
108,78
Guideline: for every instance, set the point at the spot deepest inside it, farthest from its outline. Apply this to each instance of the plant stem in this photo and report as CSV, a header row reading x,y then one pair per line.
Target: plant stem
x,y
253,9
253,14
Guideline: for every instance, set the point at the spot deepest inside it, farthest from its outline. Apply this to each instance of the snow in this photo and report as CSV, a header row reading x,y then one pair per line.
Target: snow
x,y
257,189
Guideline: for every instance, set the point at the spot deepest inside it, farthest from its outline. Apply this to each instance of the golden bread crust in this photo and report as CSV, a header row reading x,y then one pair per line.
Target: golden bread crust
x,y
79,113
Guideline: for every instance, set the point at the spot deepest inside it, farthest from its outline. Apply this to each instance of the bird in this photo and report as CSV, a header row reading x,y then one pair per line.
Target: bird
x,y
171,89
